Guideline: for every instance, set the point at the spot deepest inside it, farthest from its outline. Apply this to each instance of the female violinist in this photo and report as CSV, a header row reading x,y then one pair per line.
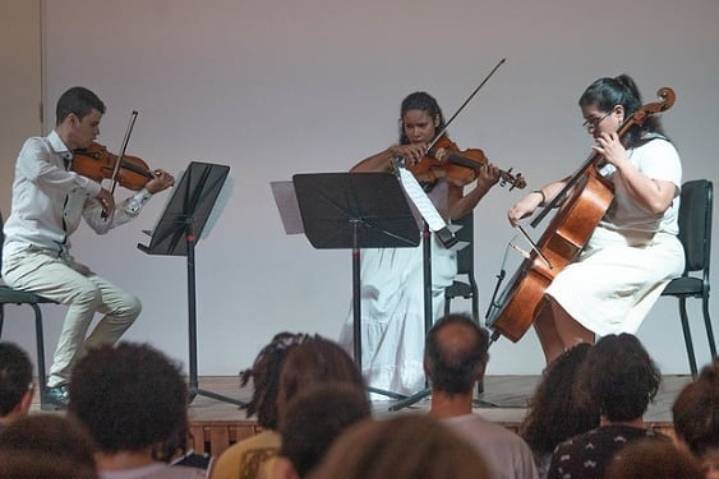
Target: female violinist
x,y
48,201
392,279
634,251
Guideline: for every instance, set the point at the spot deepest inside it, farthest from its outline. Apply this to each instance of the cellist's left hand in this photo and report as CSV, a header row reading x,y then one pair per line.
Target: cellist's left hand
x,y
161,181
609,146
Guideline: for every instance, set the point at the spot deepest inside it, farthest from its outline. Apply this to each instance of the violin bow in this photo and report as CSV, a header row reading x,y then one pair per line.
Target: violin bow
x,y
125,141
466,102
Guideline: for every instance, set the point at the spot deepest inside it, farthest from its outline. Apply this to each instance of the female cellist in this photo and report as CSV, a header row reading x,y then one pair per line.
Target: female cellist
x,y
634,252
392,293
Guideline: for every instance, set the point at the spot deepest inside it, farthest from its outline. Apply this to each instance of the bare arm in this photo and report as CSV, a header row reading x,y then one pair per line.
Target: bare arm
x,y
461,205
655,196
382,161
541,197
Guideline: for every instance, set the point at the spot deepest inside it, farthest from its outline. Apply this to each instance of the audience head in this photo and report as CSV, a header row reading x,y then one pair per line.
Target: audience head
x,y
619,377
16,387
130,397
652,458
49,436
404,447
555,412
265,375
455,354
696,418
313,362
32,465
313,420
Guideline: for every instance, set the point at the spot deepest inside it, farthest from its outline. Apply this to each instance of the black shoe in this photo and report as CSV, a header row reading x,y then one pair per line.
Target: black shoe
x,y
55,398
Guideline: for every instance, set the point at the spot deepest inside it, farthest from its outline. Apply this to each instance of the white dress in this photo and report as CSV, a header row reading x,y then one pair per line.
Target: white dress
x,y
392,307
631,256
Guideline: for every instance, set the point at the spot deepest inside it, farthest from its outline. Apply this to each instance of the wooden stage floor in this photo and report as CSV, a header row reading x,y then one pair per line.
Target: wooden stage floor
x,y
214,425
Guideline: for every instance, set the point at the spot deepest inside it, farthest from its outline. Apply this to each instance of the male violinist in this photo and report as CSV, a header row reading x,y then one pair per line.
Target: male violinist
x,y
48,200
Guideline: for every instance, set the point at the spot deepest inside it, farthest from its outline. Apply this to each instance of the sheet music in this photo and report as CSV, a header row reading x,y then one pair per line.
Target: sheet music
x,y
286,201
421,200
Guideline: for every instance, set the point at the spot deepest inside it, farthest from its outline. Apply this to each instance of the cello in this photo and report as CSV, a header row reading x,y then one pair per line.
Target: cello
x,y
584,201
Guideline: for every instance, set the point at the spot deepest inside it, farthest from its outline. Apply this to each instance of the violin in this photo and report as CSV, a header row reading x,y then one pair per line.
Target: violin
x,y
97,163
459,167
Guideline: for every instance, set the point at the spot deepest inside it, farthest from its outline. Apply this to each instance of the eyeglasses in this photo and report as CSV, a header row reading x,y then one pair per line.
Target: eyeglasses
x,y
592,123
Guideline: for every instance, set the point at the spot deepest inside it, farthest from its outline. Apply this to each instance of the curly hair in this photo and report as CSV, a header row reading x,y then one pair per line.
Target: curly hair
x,y
696,412
403,447
129,397
316,361
555,414
619,377
15,376
33,465
606,93
453,367
265,375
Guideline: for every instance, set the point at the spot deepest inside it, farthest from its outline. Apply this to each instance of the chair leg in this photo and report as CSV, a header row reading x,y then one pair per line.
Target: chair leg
x,y
2,317
39,335
447,300
475,303
687,336
708,324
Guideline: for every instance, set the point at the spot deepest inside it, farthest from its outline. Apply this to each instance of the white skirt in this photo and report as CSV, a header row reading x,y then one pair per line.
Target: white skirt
x,y
617,279
392,306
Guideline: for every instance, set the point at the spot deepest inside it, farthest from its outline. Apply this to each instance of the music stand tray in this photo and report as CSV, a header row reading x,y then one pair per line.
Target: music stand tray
x,y
177,233
355,211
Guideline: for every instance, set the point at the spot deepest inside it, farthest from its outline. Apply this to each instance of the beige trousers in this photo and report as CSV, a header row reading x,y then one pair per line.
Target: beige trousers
x,y
62,279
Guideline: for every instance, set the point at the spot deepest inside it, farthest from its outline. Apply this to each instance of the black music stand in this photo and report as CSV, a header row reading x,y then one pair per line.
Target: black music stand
x,y
176,234
354,211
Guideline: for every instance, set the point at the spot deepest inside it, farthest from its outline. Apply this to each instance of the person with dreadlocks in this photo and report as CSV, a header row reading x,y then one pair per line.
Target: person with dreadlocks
x,y
244,459
392,279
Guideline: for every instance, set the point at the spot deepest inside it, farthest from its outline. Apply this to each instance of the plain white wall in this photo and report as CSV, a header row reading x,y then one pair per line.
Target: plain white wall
x,y
274,88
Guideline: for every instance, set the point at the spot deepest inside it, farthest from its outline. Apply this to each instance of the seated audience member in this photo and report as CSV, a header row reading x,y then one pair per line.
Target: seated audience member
x,y
696,419
31,465
555,413
49,436
314,362
404,447
455,358
16,387
311,423
621,379
131,398
243,460
652,458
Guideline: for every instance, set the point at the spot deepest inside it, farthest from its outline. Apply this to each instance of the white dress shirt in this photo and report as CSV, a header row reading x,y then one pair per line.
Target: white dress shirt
x,y
48,199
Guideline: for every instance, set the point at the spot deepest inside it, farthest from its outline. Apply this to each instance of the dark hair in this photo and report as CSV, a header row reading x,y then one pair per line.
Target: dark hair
x,y
606,93
453,367
316,361
15,376
49,435
619,377
419,101
315,418
129,397
555,413
265,375
653,457
77,100
34,465
696,412
403,447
